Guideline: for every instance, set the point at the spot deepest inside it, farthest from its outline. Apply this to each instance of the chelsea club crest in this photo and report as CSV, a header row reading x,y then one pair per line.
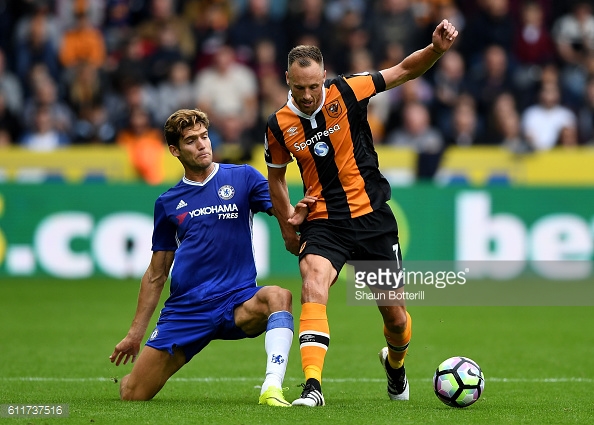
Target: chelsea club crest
x,y
226,192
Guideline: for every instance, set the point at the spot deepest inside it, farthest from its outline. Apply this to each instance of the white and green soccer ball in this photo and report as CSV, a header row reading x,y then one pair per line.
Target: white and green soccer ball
x,y
458,382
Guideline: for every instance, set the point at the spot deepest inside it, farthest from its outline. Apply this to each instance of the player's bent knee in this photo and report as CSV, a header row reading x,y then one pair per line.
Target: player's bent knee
x,y
280,298
285,295
127,391
133,392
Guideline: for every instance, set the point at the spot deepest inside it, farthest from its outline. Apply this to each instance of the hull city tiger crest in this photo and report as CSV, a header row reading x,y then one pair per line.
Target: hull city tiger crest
x,y
334,109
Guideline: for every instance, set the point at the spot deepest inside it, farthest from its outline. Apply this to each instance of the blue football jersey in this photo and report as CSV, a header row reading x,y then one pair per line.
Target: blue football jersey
x,y
209,226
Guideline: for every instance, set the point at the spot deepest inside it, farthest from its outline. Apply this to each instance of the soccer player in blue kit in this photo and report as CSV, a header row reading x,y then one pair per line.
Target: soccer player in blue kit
x,y
204,223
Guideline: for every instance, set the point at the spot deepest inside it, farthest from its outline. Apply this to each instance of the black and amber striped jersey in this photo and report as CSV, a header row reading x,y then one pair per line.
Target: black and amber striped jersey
x,y
333,148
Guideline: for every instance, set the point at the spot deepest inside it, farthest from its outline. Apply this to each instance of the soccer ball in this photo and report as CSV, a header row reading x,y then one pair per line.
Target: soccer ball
x,y
458,382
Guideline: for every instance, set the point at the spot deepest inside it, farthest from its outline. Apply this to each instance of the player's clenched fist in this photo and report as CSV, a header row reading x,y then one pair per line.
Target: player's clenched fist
x,y
444,36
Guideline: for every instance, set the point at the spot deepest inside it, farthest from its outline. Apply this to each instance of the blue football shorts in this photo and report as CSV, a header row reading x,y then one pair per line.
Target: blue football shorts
x,y
193,331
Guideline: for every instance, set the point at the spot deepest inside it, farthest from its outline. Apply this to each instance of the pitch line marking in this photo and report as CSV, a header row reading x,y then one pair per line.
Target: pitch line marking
x,y
258,379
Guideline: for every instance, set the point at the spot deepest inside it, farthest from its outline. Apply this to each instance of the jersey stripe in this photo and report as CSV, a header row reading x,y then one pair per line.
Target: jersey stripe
x,y
274,134
376,186
352,178
327,171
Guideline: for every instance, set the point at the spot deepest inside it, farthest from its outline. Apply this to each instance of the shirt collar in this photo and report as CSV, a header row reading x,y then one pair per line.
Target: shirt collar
x,y
206,180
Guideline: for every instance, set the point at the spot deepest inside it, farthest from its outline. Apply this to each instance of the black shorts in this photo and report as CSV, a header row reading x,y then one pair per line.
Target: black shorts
x,y
371,237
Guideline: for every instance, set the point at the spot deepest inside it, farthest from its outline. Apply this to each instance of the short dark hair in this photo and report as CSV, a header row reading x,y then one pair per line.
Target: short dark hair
x,y
181,120
303,55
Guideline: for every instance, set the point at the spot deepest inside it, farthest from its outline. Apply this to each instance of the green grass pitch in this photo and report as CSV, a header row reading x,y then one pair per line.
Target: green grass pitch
x,y
56,336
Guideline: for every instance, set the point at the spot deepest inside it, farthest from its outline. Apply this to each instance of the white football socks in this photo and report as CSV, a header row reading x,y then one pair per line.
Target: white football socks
x,y
277,343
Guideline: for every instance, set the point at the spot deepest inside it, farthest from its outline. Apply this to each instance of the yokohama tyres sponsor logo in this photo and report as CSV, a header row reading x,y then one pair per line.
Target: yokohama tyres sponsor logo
x,y
316,138
215,209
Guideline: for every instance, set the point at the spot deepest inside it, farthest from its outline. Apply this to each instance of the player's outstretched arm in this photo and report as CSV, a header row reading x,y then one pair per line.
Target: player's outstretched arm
x,y
419,62
283,210
151,286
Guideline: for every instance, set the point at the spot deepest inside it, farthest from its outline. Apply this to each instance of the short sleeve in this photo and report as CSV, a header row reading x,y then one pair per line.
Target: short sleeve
x,y
275,154
164,232
366,84
259,194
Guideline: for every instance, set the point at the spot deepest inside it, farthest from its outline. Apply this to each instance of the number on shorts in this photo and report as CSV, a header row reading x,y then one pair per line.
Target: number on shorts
x,y
395,248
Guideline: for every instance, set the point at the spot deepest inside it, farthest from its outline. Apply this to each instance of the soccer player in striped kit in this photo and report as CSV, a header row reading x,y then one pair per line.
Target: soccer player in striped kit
x,y
324,127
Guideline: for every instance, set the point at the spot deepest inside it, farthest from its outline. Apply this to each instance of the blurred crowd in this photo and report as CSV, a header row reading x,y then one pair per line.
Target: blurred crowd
x,y
72,72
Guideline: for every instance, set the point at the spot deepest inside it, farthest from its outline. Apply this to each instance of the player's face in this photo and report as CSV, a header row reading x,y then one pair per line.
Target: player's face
x,y
195,150
306,86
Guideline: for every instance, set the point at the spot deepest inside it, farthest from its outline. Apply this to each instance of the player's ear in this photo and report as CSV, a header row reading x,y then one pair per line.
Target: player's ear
x,y
287,77
174,150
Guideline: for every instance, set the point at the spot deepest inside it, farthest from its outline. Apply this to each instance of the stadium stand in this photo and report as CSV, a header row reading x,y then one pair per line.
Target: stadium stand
x,y
91,94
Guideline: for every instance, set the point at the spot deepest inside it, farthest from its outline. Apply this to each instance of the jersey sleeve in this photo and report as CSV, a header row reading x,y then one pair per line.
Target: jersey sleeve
x,y
164,232
366,84
275,154
259,194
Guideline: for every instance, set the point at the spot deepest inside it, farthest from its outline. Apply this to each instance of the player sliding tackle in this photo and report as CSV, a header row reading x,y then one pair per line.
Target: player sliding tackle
x,y
204,224
324,127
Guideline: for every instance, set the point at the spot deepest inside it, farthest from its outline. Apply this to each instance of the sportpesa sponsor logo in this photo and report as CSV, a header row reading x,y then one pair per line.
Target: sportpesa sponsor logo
x,y
215,209
303,145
